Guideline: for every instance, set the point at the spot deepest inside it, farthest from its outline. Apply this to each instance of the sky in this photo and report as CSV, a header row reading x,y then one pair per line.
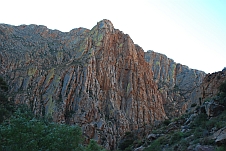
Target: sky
x,y
191,32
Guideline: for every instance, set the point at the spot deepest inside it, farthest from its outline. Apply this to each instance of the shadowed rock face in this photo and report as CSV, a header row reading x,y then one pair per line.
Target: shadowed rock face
x,y
211,84
178,84
95,78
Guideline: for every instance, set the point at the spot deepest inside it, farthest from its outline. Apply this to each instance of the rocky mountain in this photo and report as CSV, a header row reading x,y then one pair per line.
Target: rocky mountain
x,y
98,79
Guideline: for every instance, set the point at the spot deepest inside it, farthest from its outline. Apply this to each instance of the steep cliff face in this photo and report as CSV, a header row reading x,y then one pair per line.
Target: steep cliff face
x,y
95,78
179,85
211,83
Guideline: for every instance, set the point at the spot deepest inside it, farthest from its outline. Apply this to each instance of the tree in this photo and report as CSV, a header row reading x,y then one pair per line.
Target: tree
x,y
6,106
24,132
93,146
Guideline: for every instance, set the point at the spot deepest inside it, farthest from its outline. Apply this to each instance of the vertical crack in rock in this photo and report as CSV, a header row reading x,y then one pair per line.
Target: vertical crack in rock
x,y
178,84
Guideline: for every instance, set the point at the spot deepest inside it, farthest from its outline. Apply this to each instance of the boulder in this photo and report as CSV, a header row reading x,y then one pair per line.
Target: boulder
x,y
152,136
212,108
204,148
141,148
220,136
198,147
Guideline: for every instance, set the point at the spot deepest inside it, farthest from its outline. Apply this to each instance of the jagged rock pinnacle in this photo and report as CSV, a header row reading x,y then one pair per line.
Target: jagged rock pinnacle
x,y
106,25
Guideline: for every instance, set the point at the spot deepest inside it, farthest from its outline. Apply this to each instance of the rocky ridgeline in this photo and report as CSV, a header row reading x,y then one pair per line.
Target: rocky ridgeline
x,y
98,79
178,84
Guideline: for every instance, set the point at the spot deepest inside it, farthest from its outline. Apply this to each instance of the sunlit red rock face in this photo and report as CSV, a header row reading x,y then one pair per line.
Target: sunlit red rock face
x,y
211,83
95,78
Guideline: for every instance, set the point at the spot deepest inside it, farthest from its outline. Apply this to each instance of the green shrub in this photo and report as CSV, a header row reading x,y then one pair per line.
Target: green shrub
x,y
24,132
222,87
211,123
166,122
183,144
193,105
207,99
177,136
200,120
125,144
93,146
163,140
207,141
129,148
221,148
6,106
198,133
128,133
155,146
3,85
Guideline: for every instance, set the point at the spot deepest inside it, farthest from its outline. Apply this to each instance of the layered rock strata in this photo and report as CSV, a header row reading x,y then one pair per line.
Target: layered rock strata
x,y
95,78
179,85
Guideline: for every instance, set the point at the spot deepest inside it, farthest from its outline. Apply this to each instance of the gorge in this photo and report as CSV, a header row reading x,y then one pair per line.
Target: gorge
x,y
97,79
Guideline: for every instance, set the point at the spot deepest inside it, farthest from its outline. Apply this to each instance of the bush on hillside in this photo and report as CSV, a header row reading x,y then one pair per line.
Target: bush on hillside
x,y
3,85
222,87
93,146
20,130
24,132
127,142
6,106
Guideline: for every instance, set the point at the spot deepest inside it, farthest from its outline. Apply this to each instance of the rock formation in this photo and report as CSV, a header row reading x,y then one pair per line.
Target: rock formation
x,y
220,136
211,83
95,78
178,84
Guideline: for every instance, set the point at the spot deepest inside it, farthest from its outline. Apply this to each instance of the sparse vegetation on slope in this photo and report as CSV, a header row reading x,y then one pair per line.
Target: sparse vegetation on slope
x,y
197,130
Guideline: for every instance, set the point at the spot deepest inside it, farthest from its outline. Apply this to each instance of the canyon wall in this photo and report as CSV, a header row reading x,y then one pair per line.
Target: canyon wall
x,y
95,78
98,79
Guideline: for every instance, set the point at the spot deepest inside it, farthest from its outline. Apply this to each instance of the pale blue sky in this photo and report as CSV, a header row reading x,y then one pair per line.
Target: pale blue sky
x,y
192,32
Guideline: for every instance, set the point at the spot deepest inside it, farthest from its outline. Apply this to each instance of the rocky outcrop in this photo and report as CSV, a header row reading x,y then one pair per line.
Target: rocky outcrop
x,y
220,136
211,83
199,147
178,84
95,78
98,79
212,108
